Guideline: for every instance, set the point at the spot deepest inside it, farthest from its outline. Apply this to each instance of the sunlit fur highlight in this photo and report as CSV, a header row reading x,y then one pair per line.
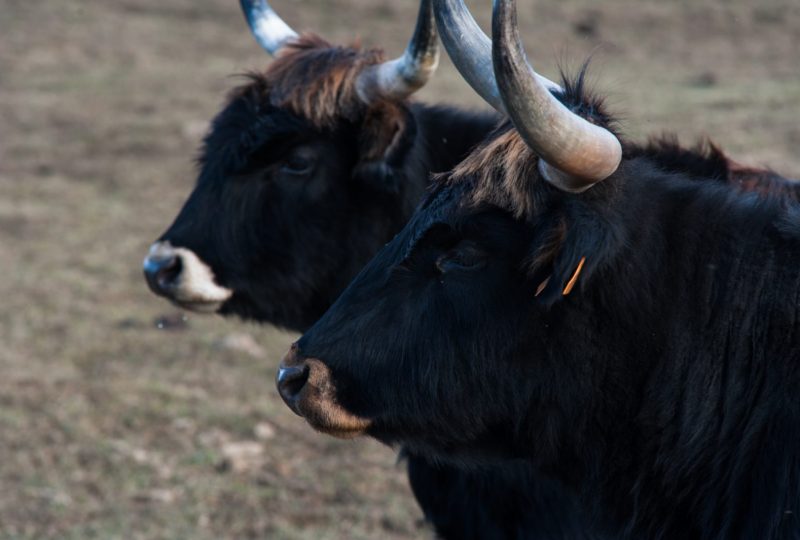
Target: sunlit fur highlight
x,y
321,408
502,169
317,80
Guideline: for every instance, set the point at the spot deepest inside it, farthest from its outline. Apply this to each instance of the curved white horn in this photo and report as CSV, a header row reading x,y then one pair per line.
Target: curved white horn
x,y
575,154
268,28
401,77
471,50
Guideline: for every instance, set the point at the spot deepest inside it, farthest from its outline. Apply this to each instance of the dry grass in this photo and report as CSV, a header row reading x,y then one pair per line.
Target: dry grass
x,y
113,428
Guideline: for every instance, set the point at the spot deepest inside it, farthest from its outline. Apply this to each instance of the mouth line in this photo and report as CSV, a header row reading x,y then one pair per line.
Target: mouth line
x,y
339,433
198,306
349,426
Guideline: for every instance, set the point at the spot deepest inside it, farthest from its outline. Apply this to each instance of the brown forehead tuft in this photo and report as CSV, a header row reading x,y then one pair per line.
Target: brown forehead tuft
x,y
500,172
316,80
503,171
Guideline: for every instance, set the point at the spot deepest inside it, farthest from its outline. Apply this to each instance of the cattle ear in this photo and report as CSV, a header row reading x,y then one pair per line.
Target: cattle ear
x,y
566,253
385,138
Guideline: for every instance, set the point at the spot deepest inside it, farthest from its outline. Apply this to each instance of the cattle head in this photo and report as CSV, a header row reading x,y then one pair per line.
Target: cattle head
x,y
429,345
303,175
554,301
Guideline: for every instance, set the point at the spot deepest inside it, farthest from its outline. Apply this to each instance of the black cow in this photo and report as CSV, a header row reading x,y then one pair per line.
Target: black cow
x,y
563,302
307,171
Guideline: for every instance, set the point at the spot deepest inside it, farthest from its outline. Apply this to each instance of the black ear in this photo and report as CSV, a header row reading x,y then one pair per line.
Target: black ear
x,y
386,137
567,251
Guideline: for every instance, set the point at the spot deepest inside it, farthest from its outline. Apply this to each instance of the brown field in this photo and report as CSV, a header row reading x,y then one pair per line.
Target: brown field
x,y
113,428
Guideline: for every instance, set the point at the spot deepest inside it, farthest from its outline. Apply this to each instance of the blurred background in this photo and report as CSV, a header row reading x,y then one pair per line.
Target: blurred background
x,y
122,418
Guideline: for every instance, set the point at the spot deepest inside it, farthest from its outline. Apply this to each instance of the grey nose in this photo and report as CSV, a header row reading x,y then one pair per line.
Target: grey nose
x,y
162,268
290,382
292,377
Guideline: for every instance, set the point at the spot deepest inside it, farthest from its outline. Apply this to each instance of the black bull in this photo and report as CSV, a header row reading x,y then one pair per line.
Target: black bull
x,y
636,344
286,212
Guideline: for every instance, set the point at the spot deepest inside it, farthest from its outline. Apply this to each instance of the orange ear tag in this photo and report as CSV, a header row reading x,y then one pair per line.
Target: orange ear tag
x,y
574,279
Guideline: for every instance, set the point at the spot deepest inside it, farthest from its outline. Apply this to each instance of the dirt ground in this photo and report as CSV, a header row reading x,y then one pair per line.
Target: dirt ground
x,y
120,419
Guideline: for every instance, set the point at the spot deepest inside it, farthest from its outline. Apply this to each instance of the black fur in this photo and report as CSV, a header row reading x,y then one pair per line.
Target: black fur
x,y
662,391
288,245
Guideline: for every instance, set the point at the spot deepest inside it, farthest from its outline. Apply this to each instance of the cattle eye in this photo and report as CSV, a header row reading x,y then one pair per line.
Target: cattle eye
x,y
465,256
298,164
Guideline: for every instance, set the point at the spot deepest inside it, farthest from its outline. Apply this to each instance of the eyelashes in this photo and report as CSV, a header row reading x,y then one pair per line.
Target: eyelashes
x,y
441,249
464,257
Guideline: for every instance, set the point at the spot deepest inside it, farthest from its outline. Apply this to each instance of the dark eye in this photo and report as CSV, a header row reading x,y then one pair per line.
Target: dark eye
x,y
465,256
298,164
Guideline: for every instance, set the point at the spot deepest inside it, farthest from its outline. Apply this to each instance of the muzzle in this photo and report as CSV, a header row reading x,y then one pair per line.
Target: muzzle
x,y
180,276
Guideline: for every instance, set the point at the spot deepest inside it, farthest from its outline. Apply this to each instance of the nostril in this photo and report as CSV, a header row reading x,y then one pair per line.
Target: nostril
x,y
169,272
162,271
292,379
290,382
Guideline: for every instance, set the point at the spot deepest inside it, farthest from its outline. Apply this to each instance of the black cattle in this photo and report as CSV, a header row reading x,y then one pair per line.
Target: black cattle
x,y
309,168
301,181
289,204
562,301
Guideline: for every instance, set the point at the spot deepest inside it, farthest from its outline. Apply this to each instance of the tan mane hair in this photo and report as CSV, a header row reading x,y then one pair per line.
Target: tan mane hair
x,y
503,169
500,171
317,81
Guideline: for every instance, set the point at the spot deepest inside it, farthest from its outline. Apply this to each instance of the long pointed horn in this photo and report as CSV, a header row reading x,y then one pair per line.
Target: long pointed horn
x,y
401,77
575,153
471,50
268,28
